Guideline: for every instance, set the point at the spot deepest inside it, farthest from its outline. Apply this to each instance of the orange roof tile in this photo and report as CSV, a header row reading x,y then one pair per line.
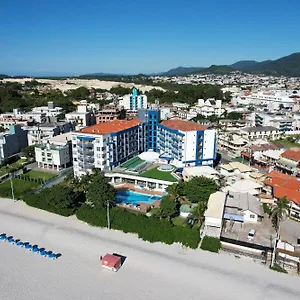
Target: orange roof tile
x,y
110,127
292,155
291,195
183,125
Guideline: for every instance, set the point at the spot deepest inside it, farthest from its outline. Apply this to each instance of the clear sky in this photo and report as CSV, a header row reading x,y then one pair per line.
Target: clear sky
x,y
72,37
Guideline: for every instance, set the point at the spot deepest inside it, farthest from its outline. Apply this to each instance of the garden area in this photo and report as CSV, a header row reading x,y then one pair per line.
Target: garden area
x,y
8,167
39,175
20,188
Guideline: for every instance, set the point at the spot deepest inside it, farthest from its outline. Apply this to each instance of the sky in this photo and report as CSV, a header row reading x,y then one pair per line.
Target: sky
x,y
72,37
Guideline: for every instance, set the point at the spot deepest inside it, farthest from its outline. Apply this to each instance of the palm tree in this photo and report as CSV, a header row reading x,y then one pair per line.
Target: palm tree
x,y
199,211
277,214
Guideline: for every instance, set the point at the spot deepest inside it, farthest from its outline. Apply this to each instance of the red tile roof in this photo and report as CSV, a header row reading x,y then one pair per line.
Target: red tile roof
x,y
110,127
292,155
183,125
284,186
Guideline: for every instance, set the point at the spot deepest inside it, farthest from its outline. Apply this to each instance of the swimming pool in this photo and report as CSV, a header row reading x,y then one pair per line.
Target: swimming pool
x,y
134,197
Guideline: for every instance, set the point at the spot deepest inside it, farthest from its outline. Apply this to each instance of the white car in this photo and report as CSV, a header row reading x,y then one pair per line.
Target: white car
x,y
251,235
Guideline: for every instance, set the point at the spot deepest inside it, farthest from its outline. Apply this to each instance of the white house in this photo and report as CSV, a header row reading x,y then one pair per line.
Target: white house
x,y
82,117
56,153
209,107
189,172
243,207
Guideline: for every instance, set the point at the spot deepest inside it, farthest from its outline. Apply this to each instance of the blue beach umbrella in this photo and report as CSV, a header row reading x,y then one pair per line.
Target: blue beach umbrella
x,y
20,244
2,237
2,234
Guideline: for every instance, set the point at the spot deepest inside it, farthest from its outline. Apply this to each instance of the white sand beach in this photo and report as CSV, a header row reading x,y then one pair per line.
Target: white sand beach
x,y
151,271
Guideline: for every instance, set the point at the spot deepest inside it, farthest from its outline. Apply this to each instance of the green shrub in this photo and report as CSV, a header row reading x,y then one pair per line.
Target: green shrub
x,y
278,268
211,244
148,229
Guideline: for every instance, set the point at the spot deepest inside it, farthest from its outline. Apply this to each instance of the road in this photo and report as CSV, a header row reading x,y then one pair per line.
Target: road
x,y
151,271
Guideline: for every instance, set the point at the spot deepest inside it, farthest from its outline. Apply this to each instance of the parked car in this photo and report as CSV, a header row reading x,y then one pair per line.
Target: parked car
x,y
251,235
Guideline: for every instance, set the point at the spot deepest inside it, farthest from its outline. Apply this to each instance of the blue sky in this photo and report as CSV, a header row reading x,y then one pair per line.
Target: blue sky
x,y
64,37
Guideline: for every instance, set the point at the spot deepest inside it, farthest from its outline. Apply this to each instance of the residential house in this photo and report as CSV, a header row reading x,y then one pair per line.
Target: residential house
x,y
81,117
209,107
189,172
243,207
231,143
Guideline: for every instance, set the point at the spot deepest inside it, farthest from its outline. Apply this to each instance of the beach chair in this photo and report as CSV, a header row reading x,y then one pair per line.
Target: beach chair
x,y
3,237
20,244
28,247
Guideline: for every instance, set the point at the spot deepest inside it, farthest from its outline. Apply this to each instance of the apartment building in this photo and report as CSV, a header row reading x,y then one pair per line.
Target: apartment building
x,y
281,122
51,110
273,100
260,132
185,143
13,141
289,162
40,133
108,114
56,153
107,145
133,102
209,107
231,143
81,117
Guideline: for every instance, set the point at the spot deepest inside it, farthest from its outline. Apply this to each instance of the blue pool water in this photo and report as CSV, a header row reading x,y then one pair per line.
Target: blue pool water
x,y
134,197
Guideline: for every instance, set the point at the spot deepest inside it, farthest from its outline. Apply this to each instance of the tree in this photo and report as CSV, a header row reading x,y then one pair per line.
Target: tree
x,y
100,191
200,188
199,210
29,152
176,190
279,212
169,208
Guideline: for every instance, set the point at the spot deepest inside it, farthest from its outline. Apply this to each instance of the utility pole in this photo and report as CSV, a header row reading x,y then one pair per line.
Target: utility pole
x,y
107,213
12,188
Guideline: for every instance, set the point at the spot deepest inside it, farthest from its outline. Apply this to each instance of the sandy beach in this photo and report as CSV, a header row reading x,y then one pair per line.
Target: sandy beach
x,y
151,271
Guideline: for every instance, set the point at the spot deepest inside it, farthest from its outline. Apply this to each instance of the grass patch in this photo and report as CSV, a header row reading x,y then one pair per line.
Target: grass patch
x,y
178,221
20,188
211,244
156,174
39,174
278,268
8,168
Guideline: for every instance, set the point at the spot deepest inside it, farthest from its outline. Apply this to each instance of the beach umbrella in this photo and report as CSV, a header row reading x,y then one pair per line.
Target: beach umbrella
x,y
20,244
3,234
2,237
28,247
52,256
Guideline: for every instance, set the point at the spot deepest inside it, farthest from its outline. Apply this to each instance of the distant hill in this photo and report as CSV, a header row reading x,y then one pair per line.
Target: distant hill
x,y
214,69
182,71
286,66
244,64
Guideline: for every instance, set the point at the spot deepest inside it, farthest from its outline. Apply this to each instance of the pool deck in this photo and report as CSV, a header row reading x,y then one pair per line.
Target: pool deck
x,y
143,206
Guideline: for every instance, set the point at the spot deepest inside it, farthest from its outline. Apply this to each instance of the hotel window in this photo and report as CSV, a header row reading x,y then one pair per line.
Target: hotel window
x,y
98,148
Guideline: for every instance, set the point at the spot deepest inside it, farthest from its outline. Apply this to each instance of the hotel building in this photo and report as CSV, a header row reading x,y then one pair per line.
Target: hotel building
x,y
107,145
133,102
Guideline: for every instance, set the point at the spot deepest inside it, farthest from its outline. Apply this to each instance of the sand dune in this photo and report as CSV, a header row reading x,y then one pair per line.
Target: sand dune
x,y
70,84
151,271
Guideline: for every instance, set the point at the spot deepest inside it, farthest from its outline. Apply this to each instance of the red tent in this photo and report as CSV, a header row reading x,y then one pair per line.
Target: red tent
x,y
111,262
